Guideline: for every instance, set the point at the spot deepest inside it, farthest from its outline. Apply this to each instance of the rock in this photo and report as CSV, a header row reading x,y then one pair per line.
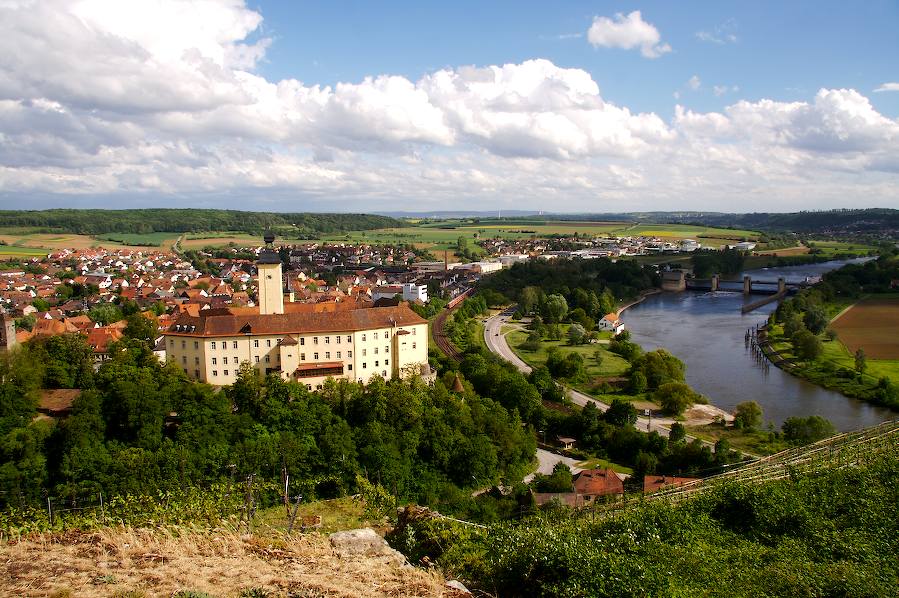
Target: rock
x,y
364,542
457,585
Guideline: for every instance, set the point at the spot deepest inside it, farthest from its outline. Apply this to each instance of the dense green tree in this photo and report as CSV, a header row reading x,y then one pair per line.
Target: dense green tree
x,y
806,345
678,432
659,367
576,334
105,313
621,413
141,328
805,430
747,415
815,319
555,308
861,362
675,397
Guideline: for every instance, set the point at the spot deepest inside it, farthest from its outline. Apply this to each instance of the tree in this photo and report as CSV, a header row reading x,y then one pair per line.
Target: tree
x,y
805,430
678,432
793,324
140,327
748,415
659,367
555,308
26,322
861,362
529,298
637,382
675,397
621,413
533,341
40,304
579,316
558,481
806,345
598,357
105,314
576,334
815,319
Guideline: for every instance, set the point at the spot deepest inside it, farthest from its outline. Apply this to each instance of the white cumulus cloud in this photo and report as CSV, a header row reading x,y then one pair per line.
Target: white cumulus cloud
x,y
888,87
160,101
627,32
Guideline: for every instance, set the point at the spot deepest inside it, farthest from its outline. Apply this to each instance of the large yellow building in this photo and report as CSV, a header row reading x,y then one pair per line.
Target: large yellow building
x,y
304,347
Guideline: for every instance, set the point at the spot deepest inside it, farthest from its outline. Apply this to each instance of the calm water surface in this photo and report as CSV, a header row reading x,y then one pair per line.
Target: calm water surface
x,y
706,331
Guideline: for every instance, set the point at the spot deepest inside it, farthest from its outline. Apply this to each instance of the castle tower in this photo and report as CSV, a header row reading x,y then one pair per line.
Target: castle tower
x,y
271,293
7,332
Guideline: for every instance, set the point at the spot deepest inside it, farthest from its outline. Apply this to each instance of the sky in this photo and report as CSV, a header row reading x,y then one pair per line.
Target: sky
x,y
417,106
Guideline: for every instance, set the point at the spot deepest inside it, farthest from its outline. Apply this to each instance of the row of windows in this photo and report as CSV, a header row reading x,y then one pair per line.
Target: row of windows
x,y
339,355
365,365
268,341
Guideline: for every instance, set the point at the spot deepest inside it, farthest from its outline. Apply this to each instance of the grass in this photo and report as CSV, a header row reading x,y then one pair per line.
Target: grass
x,y
337,515
595,462
612,365
13,251
192,562
755,442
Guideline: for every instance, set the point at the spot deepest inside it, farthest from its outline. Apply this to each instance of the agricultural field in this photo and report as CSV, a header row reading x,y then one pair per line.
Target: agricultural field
x,y
26,243
437,236
220,239
161,239
871,324
830,248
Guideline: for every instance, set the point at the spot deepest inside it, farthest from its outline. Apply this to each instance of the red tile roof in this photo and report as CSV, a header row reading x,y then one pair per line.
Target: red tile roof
x,y
598,482
223,322
651,483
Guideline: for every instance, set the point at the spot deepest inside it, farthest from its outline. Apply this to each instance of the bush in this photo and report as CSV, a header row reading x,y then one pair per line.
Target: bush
x,y
748,415
675,397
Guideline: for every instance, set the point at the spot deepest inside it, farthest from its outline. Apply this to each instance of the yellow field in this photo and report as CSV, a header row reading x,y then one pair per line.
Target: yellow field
x,y
23,244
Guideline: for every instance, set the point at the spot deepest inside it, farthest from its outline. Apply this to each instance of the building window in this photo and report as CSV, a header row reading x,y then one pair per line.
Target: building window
x,y
268,342
386,334
327,340
257,359
234,345
196,344
184,359
349,338
315,355
364,365
302,357
226,372
413,345
215,372
413,331
213,345
172,343
349,354
308,387
215,362
256,343
196,361
224,360
183,345
327,355
374,336
376,363
376,350
387,349
364,351
197,374
386,362
236,361
338,353
384,373
302,341
338,339
267,359
314,340
349,367
363,337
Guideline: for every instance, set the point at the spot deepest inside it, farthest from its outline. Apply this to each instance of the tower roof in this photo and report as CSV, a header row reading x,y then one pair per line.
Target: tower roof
x,y
268,256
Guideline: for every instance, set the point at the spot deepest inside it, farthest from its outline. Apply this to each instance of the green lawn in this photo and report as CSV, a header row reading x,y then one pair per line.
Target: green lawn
x,y
829,248
594,463
612,365
759,442
337,515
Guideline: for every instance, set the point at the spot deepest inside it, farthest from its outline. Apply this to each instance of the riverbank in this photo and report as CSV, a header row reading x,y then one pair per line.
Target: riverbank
x,y
640,299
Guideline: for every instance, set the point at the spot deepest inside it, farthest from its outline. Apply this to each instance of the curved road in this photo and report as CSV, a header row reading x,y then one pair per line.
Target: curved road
x,y
496,342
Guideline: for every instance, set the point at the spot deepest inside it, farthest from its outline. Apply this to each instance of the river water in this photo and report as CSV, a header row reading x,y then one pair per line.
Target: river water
x,y
707,332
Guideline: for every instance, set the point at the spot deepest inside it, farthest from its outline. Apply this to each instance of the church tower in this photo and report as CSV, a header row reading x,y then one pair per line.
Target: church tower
x,y
7,332
271,294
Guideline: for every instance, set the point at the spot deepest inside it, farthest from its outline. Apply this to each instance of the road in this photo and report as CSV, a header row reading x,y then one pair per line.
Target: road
x,y
496,342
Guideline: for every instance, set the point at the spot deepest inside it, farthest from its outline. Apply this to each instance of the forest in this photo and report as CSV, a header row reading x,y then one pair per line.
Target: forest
x,y
139,428
189,220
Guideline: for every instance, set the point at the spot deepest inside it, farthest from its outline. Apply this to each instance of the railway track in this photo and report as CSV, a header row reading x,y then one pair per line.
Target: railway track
x,y
440,339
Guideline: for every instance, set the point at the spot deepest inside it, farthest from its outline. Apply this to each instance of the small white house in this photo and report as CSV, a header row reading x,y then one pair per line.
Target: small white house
x,y
611,322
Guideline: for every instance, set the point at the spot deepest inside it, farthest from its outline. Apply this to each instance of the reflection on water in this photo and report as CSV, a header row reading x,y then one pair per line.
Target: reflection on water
x,y
707,332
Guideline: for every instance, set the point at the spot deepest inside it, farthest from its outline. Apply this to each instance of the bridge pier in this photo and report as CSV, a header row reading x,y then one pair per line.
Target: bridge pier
x,y
781,286
747,285
715,280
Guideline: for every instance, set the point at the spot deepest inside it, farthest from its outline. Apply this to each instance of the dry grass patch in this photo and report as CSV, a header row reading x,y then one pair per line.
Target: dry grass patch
x,y
221,563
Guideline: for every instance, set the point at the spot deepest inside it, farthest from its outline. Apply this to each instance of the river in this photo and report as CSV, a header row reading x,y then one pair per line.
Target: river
x,y
706,331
